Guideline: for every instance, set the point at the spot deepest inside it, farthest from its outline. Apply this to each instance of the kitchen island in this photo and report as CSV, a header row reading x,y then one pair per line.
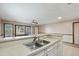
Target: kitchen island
x,y
14,46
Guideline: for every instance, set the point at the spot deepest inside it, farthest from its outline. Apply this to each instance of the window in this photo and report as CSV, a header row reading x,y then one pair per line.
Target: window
x,y
19,30
28,30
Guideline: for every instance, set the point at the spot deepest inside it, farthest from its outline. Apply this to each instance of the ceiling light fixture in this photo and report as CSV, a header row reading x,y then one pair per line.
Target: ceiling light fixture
x,y
35,21
59,17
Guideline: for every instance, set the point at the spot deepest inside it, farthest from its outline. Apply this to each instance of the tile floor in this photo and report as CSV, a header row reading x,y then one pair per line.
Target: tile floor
x,y
70,49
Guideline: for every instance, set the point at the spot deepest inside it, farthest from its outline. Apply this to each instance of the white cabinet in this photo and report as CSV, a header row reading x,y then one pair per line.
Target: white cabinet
x,y
53,50
40,53
60,48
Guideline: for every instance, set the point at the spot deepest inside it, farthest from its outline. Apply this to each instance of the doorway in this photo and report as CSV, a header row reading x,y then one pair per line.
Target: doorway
x,y
75,32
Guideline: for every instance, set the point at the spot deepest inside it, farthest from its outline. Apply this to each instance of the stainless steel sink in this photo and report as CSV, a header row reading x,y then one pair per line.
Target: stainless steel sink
x,y
36,45
44,42
33,46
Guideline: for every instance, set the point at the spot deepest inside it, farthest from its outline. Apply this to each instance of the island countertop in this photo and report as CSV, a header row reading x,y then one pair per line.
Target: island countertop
x,y
16,48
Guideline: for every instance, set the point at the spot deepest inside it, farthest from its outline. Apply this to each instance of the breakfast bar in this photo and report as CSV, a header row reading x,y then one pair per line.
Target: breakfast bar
x,y
15,46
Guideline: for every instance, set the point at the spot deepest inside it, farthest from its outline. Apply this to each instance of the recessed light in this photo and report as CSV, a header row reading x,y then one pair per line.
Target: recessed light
x,y
59,17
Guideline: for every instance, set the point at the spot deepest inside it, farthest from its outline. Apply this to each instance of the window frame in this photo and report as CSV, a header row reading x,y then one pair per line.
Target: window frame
x,y
19,34
4,29
25,30
30,28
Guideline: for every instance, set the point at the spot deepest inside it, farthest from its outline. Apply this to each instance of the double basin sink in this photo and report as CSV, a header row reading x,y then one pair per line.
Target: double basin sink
x,y
36,45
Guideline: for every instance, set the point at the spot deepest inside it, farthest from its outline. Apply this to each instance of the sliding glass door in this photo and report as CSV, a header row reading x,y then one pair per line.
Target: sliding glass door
x,y
8,30
20,30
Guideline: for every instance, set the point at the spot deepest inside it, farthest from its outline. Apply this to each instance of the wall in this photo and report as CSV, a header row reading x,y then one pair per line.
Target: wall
x,y
14,23
64,28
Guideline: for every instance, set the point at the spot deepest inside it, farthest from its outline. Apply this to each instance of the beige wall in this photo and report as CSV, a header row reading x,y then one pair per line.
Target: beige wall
x,y
64,28
60,27
14,23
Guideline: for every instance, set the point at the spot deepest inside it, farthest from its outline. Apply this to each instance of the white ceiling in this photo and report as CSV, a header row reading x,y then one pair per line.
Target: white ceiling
x,y
43,12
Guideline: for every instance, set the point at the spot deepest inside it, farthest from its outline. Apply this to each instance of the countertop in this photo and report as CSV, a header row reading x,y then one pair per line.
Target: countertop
x,y
16,48
19,37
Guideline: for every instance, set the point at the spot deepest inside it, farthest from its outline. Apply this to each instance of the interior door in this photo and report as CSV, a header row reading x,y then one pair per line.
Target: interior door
x,y
76,33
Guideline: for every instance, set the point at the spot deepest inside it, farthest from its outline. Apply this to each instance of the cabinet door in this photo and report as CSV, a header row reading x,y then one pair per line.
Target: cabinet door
x,y
52,50
60,48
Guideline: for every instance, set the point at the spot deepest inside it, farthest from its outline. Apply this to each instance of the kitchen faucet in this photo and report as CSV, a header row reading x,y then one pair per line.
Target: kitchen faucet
x,y
36,39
